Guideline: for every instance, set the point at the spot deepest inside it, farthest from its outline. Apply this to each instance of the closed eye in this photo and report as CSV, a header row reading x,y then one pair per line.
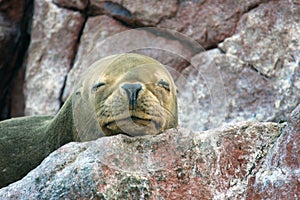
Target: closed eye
x,y
164,84
97,86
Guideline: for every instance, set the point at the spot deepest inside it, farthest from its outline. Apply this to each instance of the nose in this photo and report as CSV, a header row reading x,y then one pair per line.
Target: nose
x,y
132,90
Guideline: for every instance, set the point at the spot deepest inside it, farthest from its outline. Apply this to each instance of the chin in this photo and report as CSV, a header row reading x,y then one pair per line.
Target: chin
x,y
132,127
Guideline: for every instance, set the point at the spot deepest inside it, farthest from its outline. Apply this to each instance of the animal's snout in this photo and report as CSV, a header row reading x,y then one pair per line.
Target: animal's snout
x,y
132,90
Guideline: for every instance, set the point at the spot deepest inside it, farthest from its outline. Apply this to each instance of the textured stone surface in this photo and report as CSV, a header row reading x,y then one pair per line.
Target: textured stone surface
x,y
267,37
208,22
13,40
9,28
201,93
72,4
141,13
268,42
180,163
270,21
279,176
249,95
267,90
52,49
189,17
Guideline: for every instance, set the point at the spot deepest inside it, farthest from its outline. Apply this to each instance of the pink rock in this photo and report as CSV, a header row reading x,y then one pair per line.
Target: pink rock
x,y
136,13
73,4
208,22
216,164
52,49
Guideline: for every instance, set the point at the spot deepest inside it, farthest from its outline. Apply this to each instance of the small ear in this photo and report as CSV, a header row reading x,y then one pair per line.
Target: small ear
x,y
78,91
77,95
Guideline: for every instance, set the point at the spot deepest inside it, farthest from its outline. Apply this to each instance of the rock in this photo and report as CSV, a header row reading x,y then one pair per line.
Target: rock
x,y
73,4
9,28
51,52
274,28
264,101
141,13
201,93
14,39
208,22
256,83
216,164
279,175
295,118
95,39
171,60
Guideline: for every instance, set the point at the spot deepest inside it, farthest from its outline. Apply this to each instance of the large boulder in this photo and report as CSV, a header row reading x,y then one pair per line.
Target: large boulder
x,y
278,177
51,52
258,67
228,162
208,22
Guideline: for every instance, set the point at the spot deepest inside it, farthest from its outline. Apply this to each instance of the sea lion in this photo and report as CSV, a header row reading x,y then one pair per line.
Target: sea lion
x,y
126,93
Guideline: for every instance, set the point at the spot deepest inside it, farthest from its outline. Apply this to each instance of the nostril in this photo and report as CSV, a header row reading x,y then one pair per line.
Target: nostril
x,y
132,90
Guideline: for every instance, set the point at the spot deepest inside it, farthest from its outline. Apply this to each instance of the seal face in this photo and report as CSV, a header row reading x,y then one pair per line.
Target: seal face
x,y
134,95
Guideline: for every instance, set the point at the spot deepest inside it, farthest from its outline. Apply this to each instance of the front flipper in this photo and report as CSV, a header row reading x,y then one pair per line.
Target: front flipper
x,y
24,143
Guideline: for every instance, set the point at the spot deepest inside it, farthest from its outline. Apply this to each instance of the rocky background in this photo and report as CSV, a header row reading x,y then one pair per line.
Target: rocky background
x,y
253,46
248,68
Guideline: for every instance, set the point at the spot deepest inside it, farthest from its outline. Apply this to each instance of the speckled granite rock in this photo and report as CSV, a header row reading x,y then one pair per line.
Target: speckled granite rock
x,y
259,68
268,43
215,164
208,22
267,37
80,5
278,177
52,49
137,13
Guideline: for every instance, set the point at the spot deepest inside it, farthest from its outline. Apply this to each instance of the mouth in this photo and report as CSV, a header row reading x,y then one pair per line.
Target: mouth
x,y
133,126
129,120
